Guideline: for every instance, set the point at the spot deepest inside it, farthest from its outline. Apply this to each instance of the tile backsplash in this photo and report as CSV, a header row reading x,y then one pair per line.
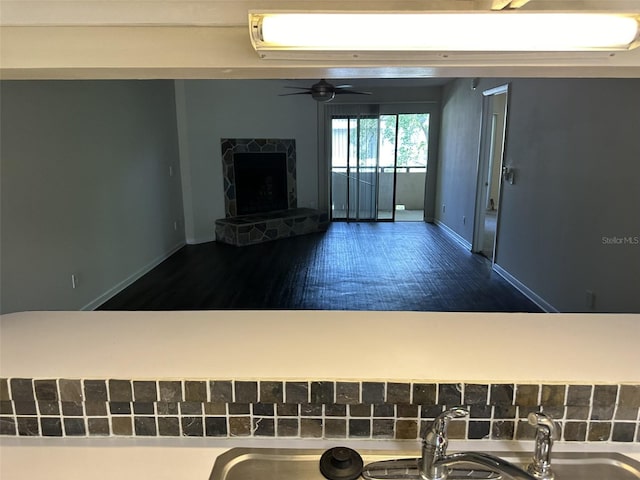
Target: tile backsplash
x,y
310,409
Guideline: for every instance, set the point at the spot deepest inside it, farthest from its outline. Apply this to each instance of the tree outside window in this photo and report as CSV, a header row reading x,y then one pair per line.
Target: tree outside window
x,y
413,138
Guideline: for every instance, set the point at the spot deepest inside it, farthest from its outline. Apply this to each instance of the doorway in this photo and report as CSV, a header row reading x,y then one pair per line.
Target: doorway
x,y
490,170
379,165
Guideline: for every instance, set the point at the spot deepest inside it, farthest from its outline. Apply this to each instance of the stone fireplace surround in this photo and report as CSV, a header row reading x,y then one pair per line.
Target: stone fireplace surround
x,y
242,230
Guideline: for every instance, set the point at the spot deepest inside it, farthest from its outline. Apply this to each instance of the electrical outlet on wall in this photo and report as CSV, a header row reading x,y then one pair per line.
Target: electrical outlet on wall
x,y
74,281
443,207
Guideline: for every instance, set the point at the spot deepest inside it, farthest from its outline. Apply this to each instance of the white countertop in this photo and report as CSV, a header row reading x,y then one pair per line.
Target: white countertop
x,y
32,459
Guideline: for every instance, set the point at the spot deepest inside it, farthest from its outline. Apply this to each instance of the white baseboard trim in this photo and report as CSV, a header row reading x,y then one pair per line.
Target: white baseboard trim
x,y
517,284
454,235
196,241
132,278
526,291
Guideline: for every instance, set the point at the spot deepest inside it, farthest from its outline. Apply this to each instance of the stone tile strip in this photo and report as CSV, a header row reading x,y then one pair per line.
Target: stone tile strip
x,y
316,408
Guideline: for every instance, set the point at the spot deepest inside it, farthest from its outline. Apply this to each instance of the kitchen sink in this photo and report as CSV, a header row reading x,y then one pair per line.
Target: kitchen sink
x,y
303,464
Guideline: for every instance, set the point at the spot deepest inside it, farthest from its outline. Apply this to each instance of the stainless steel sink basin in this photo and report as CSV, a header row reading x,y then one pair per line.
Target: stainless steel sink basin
x,y
302,464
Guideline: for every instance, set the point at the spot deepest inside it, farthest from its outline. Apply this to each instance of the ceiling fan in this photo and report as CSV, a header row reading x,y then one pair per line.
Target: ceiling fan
x,y
324,92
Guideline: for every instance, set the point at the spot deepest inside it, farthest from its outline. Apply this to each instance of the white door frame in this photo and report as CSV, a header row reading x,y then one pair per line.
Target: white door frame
x,y
483,165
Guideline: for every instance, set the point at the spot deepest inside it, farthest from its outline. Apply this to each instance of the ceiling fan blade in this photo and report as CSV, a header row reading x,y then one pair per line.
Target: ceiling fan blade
x,y
299,88
294,93
352,92
343,86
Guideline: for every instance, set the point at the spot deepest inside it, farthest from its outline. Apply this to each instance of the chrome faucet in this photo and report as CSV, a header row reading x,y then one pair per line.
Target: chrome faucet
x,y
435,463
540,466
435,441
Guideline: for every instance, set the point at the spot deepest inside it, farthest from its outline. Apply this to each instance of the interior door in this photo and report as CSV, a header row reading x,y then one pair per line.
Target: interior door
x,y
492,143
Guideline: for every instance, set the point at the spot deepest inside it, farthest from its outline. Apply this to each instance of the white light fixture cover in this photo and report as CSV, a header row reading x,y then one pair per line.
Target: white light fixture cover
x,y
512,31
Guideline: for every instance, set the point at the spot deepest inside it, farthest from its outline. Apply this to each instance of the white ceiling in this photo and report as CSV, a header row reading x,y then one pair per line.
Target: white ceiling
x,y
209,39
234,12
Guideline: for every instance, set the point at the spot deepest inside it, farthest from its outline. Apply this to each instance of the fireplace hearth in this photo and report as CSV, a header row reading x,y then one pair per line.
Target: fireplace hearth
x,y
261,193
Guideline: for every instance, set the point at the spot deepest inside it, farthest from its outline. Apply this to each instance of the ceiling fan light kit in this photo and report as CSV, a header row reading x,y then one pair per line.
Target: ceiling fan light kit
x,y
503,31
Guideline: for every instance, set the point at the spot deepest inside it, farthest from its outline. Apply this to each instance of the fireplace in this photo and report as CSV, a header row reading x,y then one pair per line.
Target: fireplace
x,y
261,182
259,175
260,193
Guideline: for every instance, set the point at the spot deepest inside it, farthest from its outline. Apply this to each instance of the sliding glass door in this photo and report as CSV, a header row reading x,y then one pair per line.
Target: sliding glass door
x,y
354,167
378,166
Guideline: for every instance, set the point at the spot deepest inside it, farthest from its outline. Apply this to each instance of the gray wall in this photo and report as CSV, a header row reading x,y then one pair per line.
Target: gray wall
x,y
575,148
86,188
209,110
458,157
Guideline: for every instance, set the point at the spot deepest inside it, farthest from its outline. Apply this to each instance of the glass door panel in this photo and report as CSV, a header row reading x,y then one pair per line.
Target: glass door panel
x,y
339,171
353,175
366,172
354,142
387,167
412,151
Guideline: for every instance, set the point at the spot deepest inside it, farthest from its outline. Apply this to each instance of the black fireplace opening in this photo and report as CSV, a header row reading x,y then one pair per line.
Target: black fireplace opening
x,y
261,182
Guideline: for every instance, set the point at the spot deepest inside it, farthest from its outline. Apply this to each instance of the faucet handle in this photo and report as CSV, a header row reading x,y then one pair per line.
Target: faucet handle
x,y
442,420
455,412
542,420
436,435
540,466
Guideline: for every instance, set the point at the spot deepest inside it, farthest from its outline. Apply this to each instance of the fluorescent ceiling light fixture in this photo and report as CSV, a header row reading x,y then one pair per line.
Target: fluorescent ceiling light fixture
x,y
480,31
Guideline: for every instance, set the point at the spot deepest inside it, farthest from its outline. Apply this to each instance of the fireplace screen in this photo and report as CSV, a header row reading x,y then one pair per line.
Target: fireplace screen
x,y
259,175
261,182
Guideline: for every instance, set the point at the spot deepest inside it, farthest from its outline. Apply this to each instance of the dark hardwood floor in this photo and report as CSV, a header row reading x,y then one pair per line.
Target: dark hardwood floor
x,y
411,266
